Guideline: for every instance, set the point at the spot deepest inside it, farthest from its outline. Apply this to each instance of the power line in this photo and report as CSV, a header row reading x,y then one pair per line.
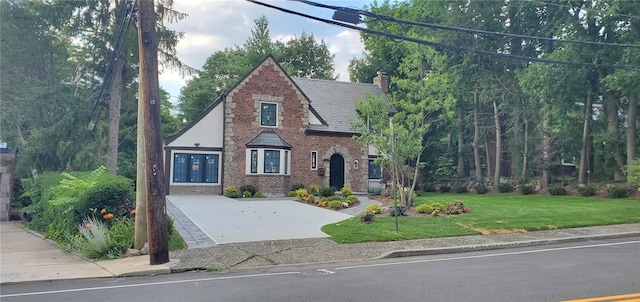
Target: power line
x,y
444,46
459,29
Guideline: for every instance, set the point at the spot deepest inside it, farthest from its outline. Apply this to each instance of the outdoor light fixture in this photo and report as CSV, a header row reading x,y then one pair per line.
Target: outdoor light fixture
x,y
197,145
349,16
326,160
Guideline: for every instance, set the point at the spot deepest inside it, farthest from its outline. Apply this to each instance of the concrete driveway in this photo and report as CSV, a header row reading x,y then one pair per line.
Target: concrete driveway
x,y
227,220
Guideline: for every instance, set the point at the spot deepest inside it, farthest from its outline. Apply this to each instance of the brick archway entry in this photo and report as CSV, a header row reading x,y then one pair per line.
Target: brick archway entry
x,y
336,172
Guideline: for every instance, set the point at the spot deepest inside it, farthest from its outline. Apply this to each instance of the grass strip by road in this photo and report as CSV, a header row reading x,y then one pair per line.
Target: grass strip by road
x,y
491,214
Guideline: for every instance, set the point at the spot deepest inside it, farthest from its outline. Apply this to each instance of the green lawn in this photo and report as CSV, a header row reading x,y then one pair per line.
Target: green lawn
x,y
491,213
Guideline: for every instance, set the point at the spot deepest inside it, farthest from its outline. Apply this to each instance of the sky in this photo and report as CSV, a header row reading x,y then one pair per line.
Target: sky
x,y
214,25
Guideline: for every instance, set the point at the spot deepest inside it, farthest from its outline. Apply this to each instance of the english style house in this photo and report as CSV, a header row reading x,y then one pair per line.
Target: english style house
x,y
272,131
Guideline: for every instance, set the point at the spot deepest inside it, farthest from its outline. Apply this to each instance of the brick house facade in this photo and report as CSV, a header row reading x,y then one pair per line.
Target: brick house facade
x,y
273,131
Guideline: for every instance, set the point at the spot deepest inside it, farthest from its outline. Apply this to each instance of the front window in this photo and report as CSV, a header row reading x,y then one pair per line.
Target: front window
x,y
195,168
272,161
268,114
375,172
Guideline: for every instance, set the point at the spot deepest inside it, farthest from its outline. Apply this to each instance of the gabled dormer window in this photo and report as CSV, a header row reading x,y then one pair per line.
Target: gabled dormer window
x,y
268,114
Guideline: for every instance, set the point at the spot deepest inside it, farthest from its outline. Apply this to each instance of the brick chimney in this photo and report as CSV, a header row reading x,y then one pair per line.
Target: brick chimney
x,y
382,80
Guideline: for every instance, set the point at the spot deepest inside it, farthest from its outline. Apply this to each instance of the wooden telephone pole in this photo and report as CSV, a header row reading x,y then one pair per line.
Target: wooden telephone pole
x,y
150,96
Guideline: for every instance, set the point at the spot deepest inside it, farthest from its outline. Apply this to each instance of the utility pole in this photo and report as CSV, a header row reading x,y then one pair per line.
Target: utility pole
x,y
150,97
141,181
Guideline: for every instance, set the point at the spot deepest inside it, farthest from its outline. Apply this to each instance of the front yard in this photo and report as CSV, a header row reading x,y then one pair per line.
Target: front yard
x,y
490,214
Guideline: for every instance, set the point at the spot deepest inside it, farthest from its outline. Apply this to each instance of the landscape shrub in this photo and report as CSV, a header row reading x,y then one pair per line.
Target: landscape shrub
x,y
327,191
352,199
296,187
115,195
291,194
398,210
323,202
246,194
505,188
526,189
456,208
93,240
376,191
437,205
424,209
315,189
617,192
366,217
557,190
231,192
481,189
460,189
258,195
250,188
374,208
122,233
445,189
334,197
335,204
346,191
587,190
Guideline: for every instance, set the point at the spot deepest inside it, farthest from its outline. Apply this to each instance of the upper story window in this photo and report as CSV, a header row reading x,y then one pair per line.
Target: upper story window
x,y
268,114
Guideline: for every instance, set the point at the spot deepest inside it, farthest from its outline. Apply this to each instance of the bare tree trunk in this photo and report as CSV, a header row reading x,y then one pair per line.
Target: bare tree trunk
x,y
632,116
496,175
461,172
487,155
525,152
476,136
115,97
584,154
546,146
611,109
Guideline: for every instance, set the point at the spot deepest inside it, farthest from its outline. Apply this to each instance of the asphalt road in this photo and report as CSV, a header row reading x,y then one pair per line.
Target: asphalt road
x,y
543,273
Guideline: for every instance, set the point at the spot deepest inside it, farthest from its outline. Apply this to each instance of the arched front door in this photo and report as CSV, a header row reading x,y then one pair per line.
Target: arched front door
x,y
336,172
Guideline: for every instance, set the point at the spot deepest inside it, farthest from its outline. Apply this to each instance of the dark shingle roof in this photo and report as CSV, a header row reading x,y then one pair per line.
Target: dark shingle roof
x,y
268,139
335,101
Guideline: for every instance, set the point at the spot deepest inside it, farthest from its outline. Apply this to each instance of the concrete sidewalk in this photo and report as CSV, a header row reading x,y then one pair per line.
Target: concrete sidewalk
x,y
26,256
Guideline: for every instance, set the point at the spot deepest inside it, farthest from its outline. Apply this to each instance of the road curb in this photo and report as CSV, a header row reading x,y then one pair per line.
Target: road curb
x,y
496,246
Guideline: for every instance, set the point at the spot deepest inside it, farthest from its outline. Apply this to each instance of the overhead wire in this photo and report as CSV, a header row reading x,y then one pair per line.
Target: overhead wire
x,y
466,30
444,46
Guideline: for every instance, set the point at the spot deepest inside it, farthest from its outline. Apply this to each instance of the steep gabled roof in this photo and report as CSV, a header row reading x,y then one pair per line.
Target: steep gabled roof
x,y
335,101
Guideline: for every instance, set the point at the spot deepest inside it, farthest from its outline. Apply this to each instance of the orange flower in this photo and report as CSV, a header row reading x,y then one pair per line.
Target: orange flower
x,y
105,216
103,211
133,212
89,225
109,216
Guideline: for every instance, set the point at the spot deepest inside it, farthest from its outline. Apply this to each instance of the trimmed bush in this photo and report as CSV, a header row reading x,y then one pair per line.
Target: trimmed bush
x,y
557,190
481,189
424,209
346,191
258,195
291,194
526,189
296,187
315,189
587,190
399,210
115,195
374,208
445,189
335,204
617,192
505,188
460,189
327,191
231,192
437,205
250,188
246,194
366,217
